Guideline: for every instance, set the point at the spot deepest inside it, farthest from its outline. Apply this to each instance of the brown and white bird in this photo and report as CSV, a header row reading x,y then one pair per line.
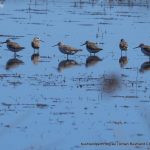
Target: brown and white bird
x,y
13,46
66,49
123,45
144,48
36,43
92,47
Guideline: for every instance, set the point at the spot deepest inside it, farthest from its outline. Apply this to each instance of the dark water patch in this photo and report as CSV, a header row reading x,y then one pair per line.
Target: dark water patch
x,y
14,83
124,75
4,14
127,97
11,36
44,61
6,104
145,101
70,21
86,24
126,12
46,57
11,75
117,122
7,125
104,23
97,13
39,10
62,113
130,16
50,25
87,82
35,23
142,22
47,80
140,134
128,3
37,13
21,10
125,106
130,68
40,105
110,18
18,18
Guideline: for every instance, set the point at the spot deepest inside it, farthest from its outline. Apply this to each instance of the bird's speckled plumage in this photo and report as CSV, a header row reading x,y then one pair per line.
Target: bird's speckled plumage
x,y
36,43
92,47
144,48
66,49
123,45
13,46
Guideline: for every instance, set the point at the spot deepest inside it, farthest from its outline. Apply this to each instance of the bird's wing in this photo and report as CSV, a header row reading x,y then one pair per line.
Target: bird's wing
x,y
69,48
35,44
147,48
93,46
14,45
123,45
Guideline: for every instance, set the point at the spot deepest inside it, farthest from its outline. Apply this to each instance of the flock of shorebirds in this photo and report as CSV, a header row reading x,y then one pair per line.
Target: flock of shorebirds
x,y
91,47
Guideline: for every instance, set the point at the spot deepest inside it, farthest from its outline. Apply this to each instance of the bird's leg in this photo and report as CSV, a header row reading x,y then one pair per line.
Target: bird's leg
x,y
38,50
15,55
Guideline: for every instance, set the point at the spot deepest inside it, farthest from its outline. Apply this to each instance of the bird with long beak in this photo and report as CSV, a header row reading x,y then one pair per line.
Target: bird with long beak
x,y
66,49
36,43
92,47
145,49
123,45
13,46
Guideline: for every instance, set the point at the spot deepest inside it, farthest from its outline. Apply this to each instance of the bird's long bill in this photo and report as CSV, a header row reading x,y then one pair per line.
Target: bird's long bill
x,y
136,47
3,42
42,41
55,45
82,44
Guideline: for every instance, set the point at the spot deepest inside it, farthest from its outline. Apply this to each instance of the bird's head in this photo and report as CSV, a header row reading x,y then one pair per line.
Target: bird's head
x,y
85,43
122,40
140,46
58,44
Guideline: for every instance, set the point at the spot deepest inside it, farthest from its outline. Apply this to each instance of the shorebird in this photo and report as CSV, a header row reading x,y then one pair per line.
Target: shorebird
x,y
145,49
36,42
92,47
13,46
123,45
66,49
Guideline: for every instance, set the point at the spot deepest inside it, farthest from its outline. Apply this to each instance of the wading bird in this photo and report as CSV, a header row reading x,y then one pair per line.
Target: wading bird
x,y
92,47
66,49
13,46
